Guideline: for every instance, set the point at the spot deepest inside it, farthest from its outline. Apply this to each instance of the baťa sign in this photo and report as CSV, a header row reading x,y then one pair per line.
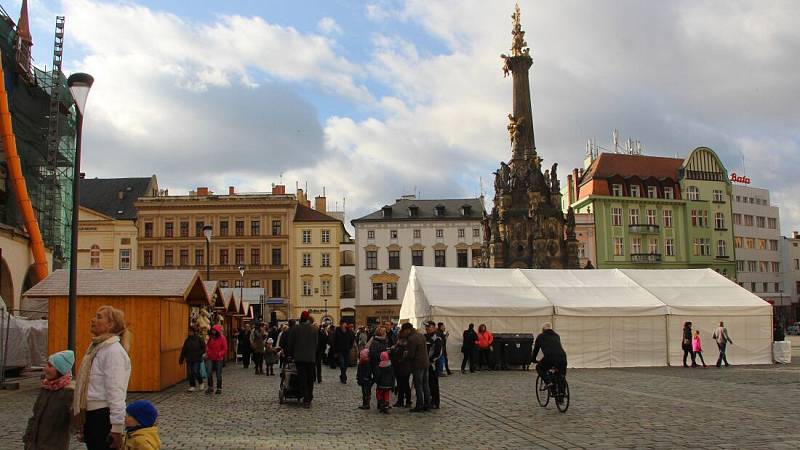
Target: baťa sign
x,y
739,179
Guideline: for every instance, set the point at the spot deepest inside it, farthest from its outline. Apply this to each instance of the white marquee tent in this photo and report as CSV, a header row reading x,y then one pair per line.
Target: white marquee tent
x,y
606,318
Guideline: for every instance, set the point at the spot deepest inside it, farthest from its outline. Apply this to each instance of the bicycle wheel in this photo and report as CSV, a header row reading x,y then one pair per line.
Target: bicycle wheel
x,y
542,393
562,399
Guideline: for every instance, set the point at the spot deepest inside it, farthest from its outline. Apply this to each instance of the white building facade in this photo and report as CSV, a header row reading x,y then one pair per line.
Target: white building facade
x,y
443,233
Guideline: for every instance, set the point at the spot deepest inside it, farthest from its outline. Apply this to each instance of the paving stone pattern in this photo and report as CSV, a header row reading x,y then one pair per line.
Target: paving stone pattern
x,y
740,407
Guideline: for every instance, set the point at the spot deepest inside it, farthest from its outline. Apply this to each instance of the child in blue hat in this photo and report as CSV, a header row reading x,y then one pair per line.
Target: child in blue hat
x,y
141,432
50,425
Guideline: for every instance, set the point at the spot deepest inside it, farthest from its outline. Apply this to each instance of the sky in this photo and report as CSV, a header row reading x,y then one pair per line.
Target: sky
x,y
375,99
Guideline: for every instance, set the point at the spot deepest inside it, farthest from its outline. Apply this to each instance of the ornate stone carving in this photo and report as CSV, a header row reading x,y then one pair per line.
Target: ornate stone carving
x,y
514,127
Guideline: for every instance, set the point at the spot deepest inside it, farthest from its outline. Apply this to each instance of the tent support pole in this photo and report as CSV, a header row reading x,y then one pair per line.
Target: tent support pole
x,y
666,330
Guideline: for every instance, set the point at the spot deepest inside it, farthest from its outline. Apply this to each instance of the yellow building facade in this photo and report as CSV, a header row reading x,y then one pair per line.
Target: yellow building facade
x,y
105,243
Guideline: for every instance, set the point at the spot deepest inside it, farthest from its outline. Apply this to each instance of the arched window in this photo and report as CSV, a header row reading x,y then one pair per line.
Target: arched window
x,y
94,257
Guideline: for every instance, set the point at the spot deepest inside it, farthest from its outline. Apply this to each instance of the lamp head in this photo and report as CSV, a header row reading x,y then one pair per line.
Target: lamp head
x,y
79,85
208,231
241,271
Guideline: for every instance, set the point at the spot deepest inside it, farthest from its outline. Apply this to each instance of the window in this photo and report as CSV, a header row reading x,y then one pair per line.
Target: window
x,y
749,243
762,244
461,232
693,193
652,246
307,288
718,195
394,259
255,256
416,257
737,241
391,291
372,260
636,245
276,288
719,221
417,234
223,227
761,222
699,218
306,259
737,219
439,233
439,258
634,216
777,287
199,259
148,258
148,229
255,283
796,264
326,236
635,190
94,256
669,193
462,260
476,232
168,229
616,190
765,287
753,287
223,257
740,265
255,228
669,247
184,257
701,247
392,234
276,227
240,227
238,283
223,283
748,220
124,259
652,192
325,260
721,249
619,246
306,236
581,250
167,257
751,266
276,256
651,217
772,223
738,198
775,266
616,216
239,256
325,287
667,218
370,234
198,228
377,291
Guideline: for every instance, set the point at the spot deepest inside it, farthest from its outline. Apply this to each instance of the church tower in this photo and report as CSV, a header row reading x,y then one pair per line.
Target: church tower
x,y
526,227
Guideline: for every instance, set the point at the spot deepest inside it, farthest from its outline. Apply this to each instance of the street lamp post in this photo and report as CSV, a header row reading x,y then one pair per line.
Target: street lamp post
x,y
241,285
79,85
208,231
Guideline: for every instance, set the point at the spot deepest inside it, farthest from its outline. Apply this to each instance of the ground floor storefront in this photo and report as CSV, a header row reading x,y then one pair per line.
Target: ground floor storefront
x,y
369,315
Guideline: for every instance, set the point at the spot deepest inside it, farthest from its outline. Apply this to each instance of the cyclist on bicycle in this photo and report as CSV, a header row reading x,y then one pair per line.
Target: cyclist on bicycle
x,y
553,354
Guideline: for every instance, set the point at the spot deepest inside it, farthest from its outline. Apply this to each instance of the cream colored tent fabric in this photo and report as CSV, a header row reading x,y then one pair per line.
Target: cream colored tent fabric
x,y
606,318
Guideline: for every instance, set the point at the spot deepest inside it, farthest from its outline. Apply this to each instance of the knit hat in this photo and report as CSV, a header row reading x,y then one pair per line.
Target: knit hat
x,y
63,361
305,315
144,412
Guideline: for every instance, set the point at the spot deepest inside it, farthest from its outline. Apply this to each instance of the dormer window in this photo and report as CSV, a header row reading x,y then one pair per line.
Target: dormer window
x,y
466,210
386,211
439,210
413,211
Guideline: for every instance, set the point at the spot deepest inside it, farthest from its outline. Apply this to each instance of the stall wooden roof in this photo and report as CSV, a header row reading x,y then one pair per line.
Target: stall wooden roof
x,y
212,287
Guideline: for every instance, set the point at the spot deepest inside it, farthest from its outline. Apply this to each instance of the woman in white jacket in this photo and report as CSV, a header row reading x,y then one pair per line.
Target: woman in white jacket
x,y
102,383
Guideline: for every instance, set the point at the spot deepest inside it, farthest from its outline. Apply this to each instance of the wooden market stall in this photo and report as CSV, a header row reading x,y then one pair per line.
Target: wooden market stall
x,y
156,306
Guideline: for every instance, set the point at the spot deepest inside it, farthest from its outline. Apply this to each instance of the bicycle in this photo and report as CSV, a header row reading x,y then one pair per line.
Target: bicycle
x,y
558,390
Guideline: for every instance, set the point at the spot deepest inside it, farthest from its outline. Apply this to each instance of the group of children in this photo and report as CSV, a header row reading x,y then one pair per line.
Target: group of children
x,y
382,376
51,423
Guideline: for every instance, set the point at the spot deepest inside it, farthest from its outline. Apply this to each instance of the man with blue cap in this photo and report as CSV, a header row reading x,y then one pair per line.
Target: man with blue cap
x,y
50,425
141,432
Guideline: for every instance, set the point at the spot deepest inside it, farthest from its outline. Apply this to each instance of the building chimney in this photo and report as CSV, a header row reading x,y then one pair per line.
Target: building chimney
x,y
278,189
576,180
321,204
83,175
570,190
301,197
231,190
202,191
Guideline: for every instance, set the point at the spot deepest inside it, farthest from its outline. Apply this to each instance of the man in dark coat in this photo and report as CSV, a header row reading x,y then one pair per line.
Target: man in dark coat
x,y
343,341
243,345
468,348
302,348
322,344
434,344
553,354
192,352
417,357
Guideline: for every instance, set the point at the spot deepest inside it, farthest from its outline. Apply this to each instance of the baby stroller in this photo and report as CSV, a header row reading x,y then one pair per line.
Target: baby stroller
x,y
289,388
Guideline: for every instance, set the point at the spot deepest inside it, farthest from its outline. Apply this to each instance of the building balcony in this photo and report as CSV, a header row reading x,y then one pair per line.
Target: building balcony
x,y
644,229
646,258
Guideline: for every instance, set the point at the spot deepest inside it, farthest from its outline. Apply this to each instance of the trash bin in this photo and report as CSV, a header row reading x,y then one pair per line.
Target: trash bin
x,y
513,349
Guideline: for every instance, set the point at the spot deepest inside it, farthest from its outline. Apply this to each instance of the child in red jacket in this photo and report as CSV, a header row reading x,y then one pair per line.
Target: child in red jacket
x,y
216,348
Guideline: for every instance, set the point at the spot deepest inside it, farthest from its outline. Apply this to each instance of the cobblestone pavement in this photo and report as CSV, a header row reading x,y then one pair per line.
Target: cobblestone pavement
x,y
741,407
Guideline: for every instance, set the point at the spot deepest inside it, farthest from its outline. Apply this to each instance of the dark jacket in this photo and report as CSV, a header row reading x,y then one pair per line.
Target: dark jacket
x,y
364,374
384,378
417,354
193,348
397,354
243,344
549,342
376,347
686,342
343,341
322,343
468,343
435,344
302,343
49,428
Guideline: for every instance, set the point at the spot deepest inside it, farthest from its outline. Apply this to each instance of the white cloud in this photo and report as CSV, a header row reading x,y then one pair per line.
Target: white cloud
x,y
329,26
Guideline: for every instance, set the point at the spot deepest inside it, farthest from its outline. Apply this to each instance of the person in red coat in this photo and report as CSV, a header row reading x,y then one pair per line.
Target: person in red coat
x,y
216,348
484,344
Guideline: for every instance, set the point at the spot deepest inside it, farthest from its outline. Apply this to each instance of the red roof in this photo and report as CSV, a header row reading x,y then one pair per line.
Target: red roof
x,y
608,165
306,214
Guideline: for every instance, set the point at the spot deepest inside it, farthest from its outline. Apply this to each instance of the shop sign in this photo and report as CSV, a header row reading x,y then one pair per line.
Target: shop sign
x,y
739,179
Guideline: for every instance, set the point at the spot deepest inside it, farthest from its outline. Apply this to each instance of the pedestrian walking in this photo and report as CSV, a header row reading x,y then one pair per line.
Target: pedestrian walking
x,y
443,367
141,432
470,337
362,338
258,339
364,378
302,348
722,338
270,357
49,427
402,372
194,347
697,347
102,382
434,347
344,340
216,348
417,356
384,383
686,344
332,362
322,345
484,344
243,346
